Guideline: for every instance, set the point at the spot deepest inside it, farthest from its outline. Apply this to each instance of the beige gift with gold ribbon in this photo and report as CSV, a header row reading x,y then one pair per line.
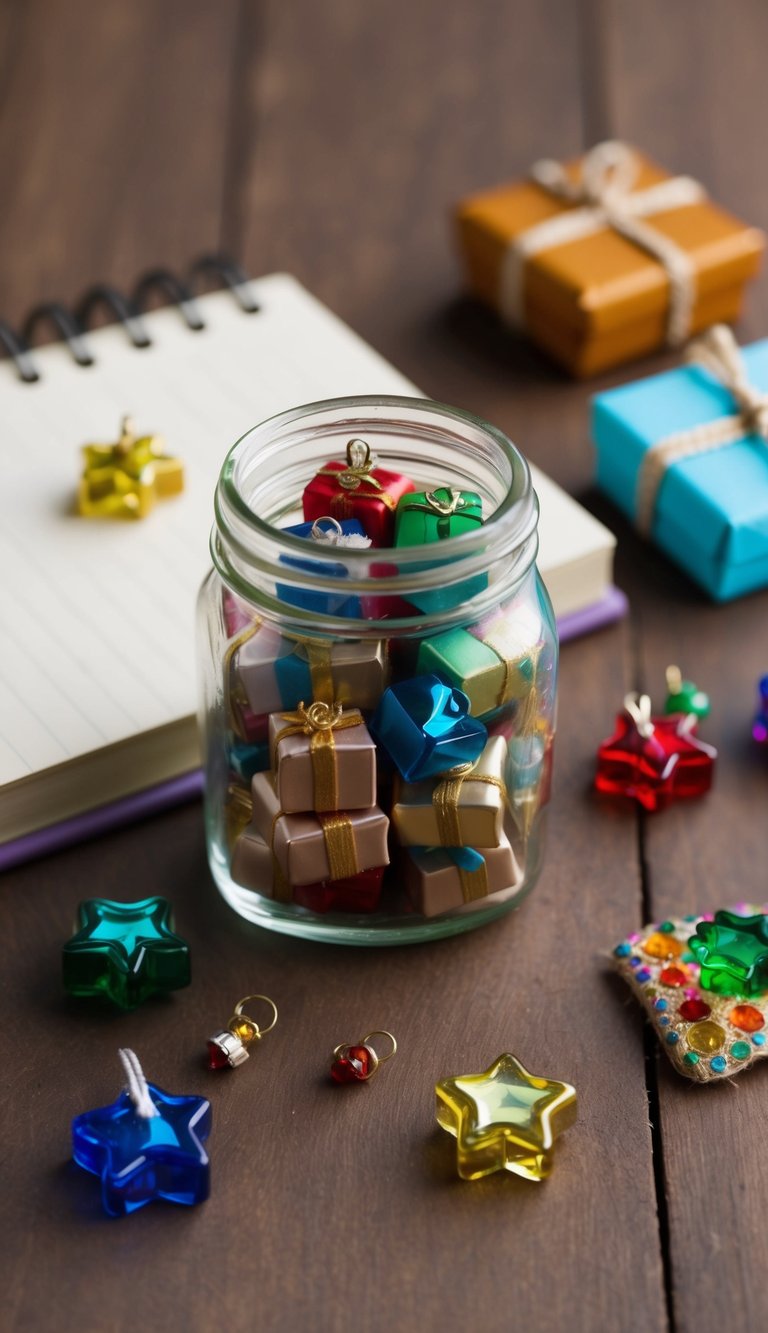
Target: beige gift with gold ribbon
x,y
463,808
323,758
454,879
310,848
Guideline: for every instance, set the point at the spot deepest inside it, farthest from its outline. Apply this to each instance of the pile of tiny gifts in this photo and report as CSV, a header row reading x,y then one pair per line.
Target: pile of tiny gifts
x,y
346,755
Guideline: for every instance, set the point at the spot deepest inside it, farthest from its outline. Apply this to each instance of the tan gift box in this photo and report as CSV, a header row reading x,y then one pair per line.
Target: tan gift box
x,y
455,810
310,848
323,759
449,879
590,291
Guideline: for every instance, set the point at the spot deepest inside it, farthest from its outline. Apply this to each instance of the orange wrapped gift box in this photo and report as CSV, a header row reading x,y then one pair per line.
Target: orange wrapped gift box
x,y
607,258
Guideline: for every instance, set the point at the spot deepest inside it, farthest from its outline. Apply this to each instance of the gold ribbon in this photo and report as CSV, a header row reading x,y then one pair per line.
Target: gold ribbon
x,y
236,694
339,837
432,503
237,811
474,883
445,802
319,722
358,473
340,850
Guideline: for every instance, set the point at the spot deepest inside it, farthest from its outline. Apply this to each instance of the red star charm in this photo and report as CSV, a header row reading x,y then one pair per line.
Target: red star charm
x,y
654,760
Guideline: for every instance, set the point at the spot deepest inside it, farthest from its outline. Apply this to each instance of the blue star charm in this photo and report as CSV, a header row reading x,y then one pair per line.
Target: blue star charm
x,y
145,1156
125,951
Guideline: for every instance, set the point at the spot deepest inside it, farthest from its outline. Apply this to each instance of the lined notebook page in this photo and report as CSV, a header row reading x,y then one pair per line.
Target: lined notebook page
x,y
97,617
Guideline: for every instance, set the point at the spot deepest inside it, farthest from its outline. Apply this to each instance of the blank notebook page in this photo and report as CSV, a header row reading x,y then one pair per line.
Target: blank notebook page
x,y
97,616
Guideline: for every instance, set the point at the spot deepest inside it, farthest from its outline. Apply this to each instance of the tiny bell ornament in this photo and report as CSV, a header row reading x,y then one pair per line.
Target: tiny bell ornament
x,y
147,1145
654,760
359,1063
504,1119
229,1048
683,696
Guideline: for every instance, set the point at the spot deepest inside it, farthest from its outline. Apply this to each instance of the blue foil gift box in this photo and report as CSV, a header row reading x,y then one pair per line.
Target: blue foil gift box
x,y
684,455
311,599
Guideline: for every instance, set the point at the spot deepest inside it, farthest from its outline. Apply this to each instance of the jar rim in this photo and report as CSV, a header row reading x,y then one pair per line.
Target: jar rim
x,y
243,539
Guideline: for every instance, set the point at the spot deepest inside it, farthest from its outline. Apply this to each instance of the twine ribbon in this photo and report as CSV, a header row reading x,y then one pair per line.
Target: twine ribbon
x,y
356,476
319,722
719,353
603,197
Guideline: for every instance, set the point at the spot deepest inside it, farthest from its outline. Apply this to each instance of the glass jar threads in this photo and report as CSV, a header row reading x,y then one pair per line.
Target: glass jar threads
x,y
378,669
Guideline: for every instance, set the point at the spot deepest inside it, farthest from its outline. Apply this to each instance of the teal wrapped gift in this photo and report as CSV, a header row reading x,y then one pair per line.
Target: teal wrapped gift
x,y
684,455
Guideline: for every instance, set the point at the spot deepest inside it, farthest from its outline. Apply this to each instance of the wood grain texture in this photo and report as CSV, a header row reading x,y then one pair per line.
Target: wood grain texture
x,y
114,123
688,87
332,140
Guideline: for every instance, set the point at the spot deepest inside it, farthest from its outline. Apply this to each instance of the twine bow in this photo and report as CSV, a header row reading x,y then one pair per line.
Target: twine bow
x,y
604,197
719,353
319,722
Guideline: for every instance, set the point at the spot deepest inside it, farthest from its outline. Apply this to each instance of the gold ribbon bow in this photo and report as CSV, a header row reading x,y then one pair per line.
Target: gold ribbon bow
x,y
356,475
125,479
434,505
445,802
603,196
719,353
319,722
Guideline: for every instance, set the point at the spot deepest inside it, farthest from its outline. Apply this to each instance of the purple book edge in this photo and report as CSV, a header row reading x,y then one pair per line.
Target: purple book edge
x,y
189,786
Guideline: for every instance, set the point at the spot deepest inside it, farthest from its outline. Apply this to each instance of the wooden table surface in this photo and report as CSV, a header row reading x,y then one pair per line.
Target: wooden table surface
x,y
330,139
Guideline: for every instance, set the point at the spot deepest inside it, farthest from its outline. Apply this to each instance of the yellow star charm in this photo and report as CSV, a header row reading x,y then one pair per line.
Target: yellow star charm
x,y
124,480
504,1119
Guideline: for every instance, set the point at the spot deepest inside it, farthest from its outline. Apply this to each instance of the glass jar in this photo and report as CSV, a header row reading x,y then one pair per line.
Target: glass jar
x,y
413,686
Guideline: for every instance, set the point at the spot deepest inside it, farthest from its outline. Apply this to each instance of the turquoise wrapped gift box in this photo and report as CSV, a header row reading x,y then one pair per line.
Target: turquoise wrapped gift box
x,y
711,507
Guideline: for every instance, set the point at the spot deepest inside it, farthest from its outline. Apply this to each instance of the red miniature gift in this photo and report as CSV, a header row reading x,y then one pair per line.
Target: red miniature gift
x,y
358,489
357,893
654,760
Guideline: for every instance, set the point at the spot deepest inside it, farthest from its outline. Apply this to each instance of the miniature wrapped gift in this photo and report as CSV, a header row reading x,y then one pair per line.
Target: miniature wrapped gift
x,y
245,760
492,664
357,488
276,672
425,517
460,809
323,758
309,847
607,258
125,479
684,454
445,879
326,531
254,867
424,727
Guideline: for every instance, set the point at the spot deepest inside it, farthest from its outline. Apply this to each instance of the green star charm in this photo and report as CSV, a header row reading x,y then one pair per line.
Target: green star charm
x,y
504,1119
125,951
733,953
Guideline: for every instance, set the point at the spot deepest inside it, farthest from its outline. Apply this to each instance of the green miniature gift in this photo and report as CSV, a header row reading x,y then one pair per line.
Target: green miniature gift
x,y
493,664
433,516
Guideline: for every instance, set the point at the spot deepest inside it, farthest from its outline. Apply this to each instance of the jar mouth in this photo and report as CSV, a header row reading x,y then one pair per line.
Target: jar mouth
x,y
266,470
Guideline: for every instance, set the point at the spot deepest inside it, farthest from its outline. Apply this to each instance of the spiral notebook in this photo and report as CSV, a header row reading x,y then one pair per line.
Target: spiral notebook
x,y
97,673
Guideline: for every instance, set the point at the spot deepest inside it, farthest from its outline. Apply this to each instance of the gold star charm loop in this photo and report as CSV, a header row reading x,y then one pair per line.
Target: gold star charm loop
x,y
504,1119
125,479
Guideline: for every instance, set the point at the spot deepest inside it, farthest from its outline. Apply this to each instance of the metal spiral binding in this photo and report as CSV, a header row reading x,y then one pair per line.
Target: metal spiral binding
x,y
53,312
127,311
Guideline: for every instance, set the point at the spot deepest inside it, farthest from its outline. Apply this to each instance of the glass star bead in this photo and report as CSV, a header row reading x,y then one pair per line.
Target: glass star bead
x,y
125,479
733,953
139,1159
654,760
504,1119
125,952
